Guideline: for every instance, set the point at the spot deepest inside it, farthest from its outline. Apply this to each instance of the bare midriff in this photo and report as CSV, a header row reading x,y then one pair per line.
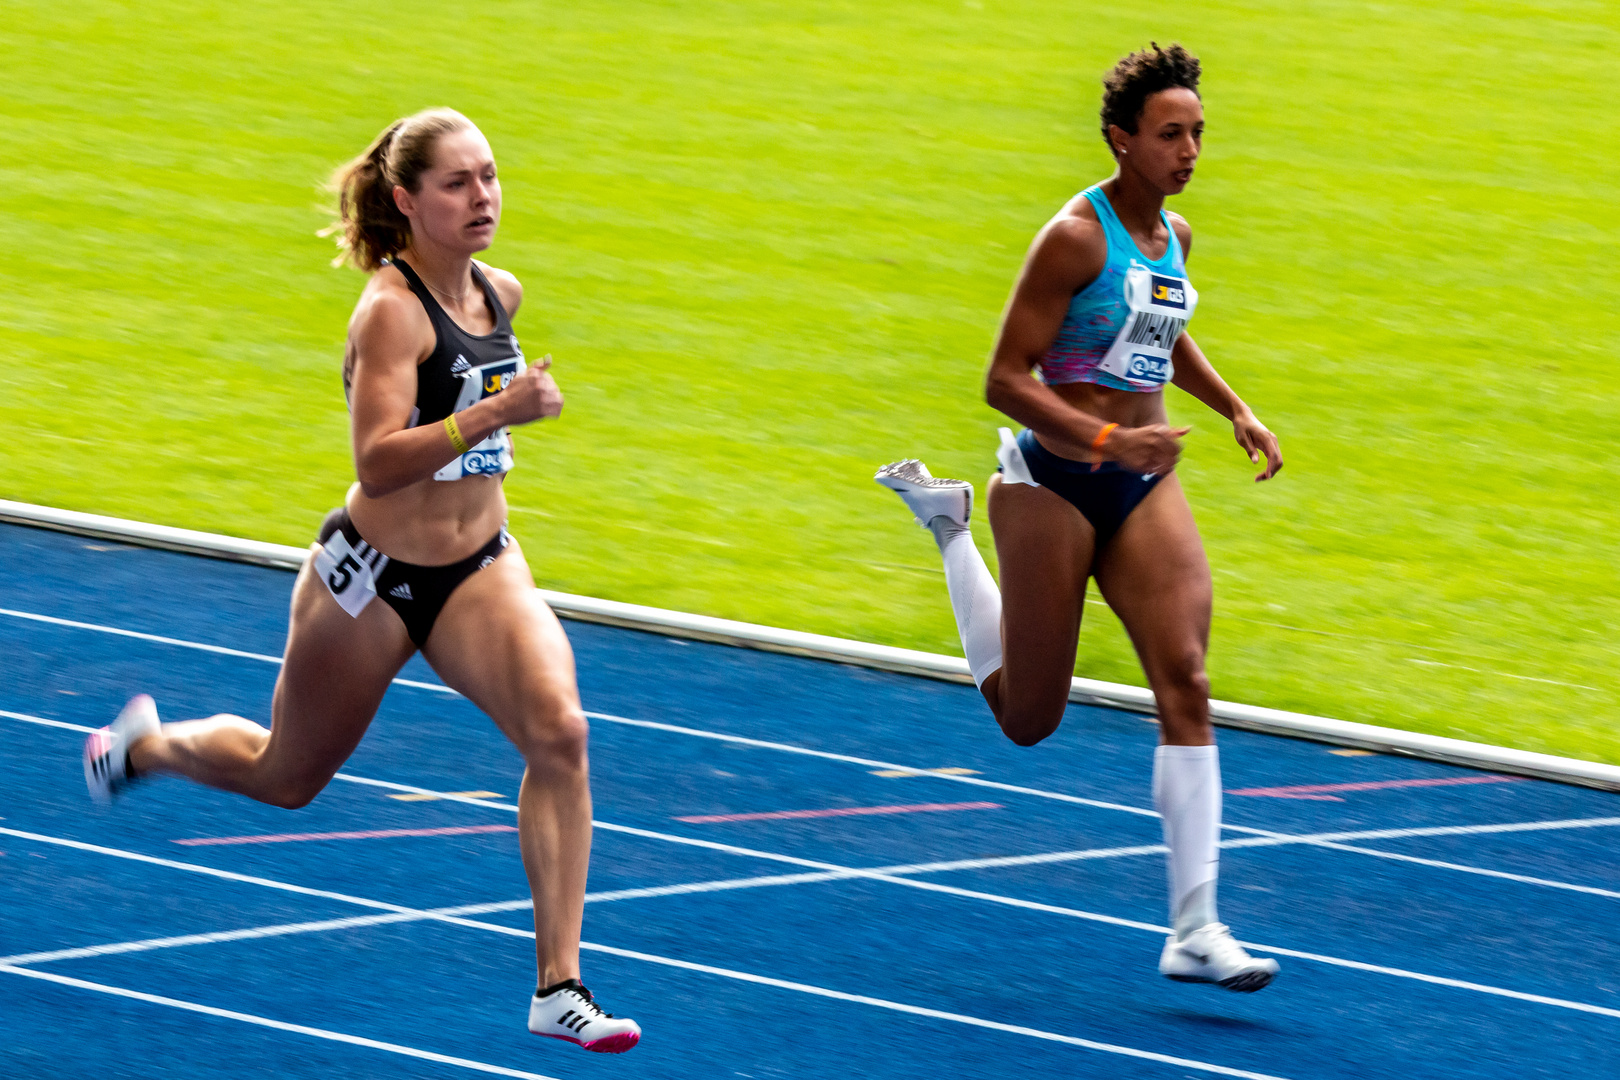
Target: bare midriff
x,y
1127,408
431,522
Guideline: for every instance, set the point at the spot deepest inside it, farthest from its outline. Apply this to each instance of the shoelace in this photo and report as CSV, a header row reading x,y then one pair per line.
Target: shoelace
x,y
591,1001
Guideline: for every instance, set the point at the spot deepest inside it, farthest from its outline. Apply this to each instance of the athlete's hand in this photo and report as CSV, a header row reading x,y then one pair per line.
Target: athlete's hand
x,y
1147,450
532,396
1257,440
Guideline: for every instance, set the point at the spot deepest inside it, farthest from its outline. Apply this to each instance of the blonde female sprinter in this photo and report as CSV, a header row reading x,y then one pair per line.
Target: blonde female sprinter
x,y
418,558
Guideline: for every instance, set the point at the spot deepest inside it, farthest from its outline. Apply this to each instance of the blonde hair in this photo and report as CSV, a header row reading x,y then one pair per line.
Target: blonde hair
x,y
370,227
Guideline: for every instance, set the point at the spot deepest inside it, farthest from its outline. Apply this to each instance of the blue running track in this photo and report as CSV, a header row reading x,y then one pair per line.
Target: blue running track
x,y
1004,921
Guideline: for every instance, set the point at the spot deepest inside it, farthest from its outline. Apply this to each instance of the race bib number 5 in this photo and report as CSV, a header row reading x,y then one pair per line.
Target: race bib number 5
x,y
347,574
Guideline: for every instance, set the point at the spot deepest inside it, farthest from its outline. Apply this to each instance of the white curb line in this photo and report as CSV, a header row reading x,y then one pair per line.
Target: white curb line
x,y
865,654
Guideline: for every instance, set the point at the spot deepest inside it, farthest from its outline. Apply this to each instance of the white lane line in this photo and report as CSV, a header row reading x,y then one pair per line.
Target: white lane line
x,y
278,1025
27,719
159,639
869,763
138,636
716,886
848,759
15,962
843,870
1265,838
933,1014
811,864
442,916
1440,863
254,932
357,921
209,871
786,747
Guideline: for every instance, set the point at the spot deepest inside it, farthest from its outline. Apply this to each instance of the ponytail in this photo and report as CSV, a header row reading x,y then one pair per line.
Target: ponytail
x,y
370,227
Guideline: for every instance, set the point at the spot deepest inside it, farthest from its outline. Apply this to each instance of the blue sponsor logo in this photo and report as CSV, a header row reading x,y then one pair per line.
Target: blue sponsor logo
x,y
479,463
1169,292
1148,369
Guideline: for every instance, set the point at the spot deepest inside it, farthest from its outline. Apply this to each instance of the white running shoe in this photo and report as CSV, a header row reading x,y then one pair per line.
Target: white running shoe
x,y
926,496
1209,955
106,752
569,1012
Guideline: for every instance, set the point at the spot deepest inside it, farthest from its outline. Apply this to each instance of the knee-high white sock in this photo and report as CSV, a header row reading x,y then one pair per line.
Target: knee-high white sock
x,y
974,597
1187,792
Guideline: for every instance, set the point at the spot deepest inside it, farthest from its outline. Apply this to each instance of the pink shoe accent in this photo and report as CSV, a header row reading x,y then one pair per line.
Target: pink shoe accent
x,y
611,1044
614,1044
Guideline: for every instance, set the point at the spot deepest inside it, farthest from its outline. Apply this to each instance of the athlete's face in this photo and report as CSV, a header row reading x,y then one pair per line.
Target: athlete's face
x,y
1168,138
459,202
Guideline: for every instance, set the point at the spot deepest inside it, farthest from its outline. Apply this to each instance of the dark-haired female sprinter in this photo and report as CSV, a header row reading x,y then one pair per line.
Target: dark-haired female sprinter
x,y
419,558
1088,488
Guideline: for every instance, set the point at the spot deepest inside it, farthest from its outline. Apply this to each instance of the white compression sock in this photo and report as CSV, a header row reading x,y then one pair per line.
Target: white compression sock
x,y
974,597
1187,792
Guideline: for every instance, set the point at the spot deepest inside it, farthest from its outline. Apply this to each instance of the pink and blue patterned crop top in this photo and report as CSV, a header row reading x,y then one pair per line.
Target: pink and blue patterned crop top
x,y
1120,329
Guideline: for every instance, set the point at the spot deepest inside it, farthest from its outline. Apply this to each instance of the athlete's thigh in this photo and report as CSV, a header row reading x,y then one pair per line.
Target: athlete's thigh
x,y
1044,546
498,643
333,676
1156,579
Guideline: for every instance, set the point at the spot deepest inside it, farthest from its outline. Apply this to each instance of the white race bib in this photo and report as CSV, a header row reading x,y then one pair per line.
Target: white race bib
x,y
349,574
1160,305
493,455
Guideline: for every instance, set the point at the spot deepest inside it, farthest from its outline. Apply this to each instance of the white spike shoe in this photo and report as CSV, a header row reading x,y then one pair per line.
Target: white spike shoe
x,y
571,1014
1209,955
927,496
106,752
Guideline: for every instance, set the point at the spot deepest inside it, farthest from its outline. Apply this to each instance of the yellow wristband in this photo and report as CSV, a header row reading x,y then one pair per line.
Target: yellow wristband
x,y
456,438
1102,437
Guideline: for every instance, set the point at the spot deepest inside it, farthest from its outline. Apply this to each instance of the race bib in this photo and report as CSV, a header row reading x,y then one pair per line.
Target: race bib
x,y
1160,306
350,574
493,456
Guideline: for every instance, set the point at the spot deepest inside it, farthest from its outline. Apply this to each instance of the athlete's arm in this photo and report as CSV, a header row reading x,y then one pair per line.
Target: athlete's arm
x,y
391,335
1066,256
1198,377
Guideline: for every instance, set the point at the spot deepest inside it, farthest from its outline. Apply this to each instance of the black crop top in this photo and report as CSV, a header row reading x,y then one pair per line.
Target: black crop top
x,y
462,370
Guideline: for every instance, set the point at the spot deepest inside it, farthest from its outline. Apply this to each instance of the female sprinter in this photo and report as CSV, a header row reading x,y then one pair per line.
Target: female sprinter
x,y
1088,489
434,376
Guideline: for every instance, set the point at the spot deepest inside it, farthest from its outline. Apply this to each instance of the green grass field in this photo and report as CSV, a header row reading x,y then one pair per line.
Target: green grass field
x,y
768,244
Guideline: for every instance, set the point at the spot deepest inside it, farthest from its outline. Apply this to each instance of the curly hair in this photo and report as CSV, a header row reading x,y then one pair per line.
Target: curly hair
x,y
1139,76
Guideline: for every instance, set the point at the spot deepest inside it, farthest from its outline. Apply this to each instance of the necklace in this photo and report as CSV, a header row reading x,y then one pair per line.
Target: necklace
x,y
458,301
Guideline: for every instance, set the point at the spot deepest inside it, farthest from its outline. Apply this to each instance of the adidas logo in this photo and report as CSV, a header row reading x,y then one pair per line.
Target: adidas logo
x,y
574,1021
460,366
402,590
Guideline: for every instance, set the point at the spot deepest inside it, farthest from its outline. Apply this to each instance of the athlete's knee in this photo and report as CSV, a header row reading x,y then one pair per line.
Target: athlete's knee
x,y
555,736
1027,726
1182,675
294,793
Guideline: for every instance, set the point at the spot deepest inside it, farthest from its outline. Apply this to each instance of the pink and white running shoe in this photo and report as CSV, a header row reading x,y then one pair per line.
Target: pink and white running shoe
x,y
567,1011
106,752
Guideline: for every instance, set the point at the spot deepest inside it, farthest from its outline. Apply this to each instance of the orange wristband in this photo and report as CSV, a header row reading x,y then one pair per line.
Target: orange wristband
x,y
1102,437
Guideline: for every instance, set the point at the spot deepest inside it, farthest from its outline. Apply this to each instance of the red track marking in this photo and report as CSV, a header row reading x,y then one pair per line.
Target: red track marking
x,y
1318,791
849,811
366,834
